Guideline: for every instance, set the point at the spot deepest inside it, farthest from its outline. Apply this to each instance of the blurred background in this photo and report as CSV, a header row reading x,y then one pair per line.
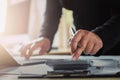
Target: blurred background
x,y
20,22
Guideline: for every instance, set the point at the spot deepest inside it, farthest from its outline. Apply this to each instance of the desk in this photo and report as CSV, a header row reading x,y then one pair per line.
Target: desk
x,y
11,77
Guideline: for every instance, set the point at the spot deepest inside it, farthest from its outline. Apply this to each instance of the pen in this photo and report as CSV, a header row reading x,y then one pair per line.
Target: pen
x,y
72,31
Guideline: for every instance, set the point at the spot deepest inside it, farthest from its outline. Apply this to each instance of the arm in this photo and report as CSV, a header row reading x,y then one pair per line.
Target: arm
x,y
109,32
101,39
47,32
52,17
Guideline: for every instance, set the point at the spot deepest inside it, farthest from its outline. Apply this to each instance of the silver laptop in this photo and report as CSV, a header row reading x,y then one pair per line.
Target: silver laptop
x,y
7,60
86,66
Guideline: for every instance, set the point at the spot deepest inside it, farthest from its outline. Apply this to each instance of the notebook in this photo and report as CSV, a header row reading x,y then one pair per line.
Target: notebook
x,y
17,65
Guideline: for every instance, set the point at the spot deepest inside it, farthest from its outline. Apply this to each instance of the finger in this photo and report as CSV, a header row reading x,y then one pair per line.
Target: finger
x,y
29,53
24,49
89,47
76,55
74,42
30,50
73,46
95,49
79,51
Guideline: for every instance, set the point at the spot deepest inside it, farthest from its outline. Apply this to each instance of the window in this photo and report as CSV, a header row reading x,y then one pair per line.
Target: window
x,y
3,10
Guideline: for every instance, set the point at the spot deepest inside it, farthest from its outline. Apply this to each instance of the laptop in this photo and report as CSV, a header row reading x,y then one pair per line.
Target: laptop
x,y
7,60
86,66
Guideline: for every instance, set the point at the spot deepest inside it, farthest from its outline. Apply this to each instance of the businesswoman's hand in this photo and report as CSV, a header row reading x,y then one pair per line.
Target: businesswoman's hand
x,y
85,41
42,44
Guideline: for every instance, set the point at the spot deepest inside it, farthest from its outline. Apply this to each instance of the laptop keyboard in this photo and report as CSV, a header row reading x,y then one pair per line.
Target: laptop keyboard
x,y
68,64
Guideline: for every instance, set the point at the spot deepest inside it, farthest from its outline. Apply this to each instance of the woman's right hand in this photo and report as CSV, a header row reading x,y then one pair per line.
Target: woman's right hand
x,y
42,44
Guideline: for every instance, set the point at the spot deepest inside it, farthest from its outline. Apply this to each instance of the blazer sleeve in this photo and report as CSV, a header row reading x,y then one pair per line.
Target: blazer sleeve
x,y
51,19
110,30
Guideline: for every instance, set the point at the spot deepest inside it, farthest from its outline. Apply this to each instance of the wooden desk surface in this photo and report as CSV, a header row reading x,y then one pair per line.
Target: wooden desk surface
x,y
11,77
